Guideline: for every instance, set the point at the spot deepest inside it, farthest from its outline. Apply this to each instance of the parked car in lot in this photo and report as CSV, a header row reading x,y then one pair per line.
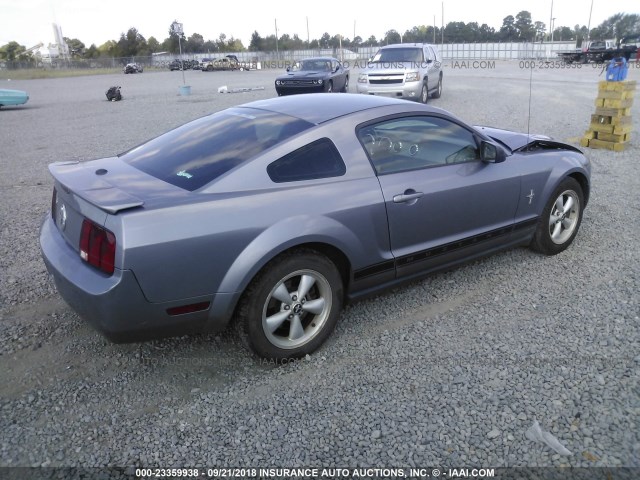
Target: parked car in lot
x,y
277,212
176,65
408,70
321,74
228,62
13,97
132,68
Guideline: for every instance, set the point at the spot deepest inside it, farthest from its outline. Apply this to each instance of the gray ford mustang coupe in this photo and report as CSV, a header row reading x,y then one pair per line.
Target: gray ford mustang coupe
x,y
277,212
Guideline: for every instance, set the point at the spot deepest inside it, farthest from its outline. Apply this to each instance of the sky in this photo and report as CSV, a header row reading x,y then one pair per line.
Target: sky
x,y
28,22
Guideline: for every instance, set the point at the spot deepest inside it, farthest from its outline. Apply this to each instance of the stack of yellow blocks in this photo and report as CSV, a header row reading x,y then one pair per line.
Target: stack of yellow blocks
x,y
610,126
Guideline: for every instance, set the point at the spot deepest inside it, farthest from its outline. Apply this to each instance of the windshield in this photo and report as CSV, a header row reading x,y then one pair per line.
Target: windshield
x,y
313,65
200,151
399,55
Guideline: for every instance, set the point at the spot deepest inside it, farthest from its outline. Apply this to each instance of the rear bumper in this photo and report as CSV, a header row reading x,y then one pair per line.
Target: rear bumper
x,y
116,306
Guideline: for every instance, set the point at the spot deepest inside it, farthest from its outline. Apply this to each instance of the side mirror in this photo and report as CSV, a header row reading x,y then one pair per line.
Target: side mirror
x,y
490,153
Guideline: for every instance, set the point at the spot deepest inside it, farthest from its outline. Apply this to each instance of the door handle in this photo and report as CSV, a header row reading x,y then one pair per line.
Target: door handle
x,y
407,196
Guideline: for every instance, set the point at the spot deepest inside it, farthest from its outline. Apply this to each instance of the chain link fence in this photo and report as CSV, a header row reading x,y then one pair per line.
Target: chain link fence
x,y
276,59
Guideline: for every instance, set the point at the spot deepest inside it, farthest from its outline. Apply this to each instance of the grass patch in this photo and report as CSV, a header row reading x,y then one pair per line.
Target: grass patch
x,y
37,73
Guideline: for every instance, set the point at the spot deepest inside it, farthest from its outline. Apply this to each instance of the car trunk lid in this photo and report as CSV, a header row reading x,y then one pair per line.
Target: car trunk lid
x,y
96,189
90,185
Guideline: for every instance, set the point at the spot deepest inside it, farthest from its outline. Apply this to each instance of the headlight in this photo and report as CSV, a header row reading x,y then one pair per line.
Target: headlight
x,y
319,81
362,78
412,77
278,82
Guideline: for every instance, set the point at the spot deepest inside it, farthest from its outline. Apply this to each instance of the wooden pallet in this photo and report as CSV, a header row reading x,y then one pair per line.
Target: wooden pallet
x,y
611,125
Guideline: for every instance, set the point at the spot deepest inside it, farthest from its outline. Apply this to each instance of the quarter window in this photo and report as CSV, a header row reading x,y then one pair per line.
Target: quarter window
x,y
319,159
411,143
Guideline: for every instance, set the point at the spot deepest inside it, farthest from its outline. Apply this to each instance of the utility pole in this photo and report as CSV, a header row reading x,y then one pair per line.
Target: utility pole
x,y
551,21
442,26
277,51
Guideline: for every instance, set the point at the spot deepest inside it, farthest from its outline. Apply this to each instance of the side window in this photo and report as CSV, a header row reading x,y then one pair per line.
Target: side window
x,y
428,54
411,143
434,55
319,159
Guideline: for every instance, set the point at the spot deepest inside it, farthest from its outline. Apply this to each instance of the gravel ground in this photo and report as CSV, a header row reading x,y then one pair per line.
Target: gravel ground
x,y
449,371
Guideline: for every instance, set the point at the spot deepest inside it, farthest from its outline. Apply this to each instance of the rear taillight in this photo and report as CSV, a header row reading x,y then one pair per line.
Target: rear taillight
x,y
97,246
54,204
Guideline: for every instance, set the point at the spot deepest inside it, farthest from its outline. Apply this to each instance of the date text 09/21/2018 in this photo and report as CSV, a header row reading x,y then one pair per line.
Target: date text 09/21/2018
x,y
369,473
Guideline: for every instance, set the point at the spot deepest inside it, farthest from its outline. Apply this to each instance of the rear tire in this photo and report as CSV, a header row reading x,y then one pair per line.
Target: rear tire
x,y
560,219
345,89
291,307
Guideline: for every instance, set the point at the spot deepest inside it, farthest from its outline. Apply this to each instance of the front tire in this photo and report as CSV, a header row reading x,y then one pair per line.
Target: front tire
x,y
292,306
438,92
329,88
424,94
560,219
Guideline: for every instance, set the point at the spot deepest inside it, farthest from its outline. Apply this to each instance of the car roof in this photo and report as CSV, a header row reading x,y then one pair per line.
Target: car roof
x,y
317,58
404,45
318,108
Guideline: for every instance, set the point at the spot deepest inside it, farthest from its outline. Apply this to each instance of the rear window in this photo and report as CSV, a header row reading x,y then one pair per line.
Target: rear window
x,y
200,151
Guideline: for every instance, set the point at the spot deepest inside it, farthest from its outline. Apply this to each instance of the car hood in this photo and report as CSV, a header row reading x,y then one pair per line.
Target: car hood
x,y
517,141
390,67
513,140
303,75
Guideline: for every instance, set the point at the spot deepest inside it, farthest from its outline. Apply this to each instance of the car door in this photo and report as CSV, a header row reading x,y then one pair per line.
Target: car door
x,y
432,68
443,202
338,75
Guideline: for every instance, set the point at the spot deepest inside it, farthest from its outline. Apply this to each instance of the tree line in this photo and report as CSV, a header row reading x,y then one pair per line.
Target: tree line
x,y
518,28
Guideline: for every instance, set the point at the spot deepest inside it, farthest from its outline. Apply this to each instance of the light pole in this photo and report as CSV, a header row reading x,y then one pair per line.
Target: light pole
x,y
589,24
178,30
553,20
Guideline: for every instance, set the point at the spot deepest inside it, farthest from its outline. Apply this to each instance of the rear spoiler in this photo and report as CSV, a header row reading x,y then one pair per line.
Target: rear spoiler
x,y
87,184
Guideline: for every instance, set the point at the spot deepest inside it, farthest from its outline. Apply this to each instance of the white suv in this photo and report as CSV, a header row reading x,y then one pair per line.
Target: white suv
x,y
405,70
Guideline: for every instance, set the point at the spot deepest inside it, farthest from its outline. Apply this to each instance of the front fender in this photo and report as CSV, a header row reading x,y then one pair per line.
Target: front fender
x,y
573,164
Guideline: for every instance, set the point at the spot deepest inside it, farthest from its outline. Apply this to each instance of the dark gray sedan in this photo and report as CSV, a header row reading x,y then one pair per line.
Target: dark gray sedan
x,y
277,212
